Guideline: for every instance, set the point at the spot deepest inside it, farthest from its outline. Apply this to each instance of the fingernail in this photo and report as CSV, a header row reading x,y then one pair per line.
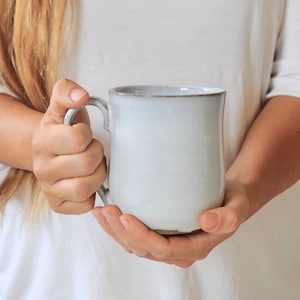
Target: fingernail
x,y
211,221
77,94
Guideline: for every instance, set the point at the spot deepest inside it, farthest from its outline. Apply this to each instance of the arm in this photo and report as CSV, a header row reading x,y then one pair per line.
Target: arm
x,y
17,125
269,161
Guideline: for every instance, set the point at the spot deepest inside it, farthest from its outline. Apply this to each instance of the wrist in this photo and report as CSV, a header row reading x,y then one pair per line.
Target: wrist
x,y
254,188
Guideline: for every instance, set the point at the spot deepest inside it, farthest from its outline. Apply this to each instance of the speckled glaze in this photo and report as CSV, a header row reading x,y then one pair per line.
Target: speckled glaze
x,y
166,154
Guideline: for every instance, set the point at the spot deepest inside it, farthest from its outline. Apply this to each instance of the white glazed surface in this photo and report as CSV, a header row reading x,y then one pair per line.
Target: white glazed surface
x,y
166,159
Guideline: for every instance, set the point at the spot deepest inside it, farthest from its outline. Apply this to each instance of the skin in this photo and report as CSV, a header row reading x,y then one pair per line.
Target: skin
x,y
17,133
70,165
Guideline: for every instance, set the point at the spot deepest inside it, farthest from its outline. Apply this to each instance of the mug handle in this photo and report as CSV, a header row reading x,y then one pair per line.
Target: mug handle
x,y
102,105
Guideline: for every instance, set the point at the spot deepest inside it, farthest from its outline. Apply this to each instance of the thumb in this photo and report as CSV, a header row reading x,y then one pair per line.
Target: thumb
x,y
65,94
227,219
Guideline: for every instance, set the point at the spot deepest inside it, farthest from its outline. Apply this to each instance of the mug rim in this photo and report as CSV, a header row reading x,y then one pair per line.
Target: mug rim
x,y
165,91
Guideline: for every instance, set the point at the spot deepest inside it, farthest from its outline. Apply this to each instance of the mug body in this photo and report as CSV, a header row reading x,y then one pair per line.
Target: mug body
x,y
166,160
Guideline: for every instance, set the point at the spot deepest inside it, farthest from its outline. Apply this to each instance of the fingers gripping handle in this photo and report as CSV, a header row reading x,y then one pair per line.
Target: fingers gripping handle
x,y
102,105
99,103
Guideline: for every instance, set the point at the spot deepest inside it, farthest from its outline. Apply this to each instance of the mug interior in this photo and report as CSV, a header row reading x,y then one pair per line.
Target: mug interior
x,y
164,91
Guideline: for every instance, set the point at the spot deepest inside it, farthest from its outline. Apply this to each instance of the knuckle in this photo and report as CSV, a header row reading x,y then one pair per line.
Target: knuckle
x,y
89,204
53,203
233,221
39,170
82,189
80,140
70,208
88,163
64,208
52,198
100,149
61,90
103,171
57,86
58,209
92,159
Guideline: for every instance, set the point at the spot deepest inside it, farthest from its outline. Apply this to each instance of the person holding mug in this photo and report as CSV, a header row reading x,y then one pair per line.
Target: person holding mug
x,y
51,243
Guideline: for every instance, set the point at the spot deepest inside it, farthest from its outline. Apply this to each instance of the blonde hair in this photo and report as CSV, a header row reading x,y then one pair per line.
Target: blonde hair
x,y
30,46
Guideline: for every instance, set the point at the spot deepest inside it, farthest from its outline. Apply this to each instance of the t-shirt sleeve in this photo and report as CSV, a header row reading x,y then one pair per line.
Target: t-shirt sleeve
x,y
3,89
285,78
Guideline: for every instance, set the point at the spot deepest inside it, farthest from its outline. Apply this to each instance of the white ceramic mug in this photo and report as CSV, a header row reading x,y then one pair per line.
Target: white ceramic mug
x,y
166,153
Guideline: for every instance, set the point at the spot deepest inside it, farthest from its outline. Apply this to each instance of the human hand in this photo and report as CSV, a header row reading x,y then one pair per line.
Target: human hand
x,y
69,164
217,225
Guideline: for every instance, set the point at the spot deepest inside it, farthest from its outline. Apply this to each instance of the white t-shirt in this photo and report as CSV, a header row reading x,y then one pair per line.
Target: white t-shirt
x,y
251,48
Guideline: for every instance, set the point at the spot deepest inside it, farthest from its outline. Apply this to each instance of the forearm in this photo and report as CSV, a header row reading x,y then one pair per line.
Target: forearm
x,y
269,160
17,126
